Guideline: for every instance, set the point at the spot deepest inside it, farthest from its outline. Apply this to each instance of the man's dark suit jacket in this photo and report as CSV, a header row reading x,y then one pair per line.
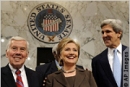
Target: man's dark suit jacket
x,y
46,69
83,78
101,70
7,79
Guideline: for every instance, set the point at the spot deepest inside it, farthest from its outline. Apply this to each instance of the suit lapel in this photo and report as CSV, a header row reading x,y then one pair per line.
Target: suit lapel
x,y
79,77
61,78
8,77
106,66
28,75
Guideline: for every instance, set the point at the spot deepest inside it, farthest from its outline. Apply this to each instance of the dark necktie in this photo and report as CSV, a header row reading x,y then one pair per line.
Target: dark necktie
x,y
19,81
117,68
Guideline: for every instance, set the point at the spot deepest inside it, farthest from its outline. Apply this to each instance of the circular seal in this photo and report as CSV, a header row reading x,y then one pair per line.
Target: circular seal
x,y
50,22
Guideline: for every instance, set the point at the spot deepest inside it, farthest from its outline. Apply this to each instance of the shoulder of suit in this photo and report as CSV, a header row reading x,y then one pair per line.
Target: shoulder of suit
x,y
28,69
125,46
43,66
5,69
54,74
85,72
2,68
100,54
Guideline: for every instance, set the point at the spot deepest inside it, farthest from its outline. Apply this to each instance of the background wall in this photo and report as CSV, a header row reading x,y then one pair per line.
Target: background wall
x,y
86,15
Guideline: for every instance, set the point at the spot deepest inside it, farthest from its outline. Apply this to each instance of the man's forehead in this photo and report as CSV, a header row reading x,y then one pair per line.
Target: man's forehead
x,y
17,42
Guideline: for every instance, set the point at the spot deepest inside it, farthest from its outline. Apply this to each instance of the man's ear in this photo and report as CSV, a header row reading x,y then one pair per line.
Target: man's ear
x,y
27,54
119,34
6,54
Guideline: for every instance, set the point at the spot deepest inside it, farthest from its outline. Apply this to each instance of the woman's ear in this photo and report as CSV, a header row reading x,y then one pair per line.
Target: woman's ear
x,y
61,62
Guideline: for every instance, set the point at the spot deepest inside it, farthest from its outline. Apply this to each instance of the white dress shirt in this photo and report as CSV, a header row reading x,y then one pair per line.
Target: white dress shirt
x,y
111,55
23,75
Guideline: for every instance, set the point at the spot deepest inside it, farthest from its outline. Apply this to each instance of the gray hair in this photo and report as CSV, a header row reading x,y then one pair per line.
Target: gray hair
x,y
18,38
54,48
116,24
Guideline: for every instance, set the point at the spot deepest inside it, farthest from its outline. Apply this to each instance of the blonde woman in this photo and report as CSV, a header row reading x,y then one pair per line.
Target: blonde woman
x,y
69,76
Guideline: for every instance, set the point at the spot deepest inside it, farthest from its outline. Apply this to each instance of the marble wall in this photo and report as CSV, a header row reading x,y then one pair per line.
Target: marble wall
x,y
86,15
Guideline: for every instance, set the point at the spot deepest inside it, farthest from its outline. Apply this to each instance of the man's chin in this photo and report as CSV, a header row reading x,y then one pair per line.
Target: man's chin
x,y
110,46
107,45
17,66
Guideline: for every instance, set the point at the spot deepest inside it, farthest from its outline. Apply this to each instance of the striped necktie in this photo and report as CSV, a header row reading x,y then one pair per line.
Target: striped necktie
x,y
117,68
19,81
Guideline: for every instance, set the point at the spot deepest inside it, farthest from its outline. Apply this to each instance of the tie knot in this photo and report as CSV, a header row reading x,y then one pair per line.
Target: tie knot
x,y
18,72
115,50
